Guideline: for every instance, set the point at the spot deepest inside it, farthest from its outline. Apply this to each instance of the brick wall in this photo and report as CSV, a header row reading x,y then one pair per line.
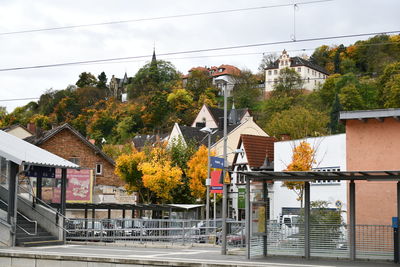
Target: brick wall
x,y
67,145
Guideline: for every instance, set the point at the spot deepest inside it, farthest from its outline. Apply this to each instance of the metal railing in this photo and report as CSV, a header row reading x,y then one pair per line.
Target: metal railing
x,y
144,230
26,218
326,240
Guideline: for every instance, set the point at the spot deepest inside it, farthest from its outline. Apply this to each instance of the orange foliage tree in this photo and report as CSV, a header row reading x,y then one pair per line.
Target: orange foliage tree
x,y
197,172
159,175
302,160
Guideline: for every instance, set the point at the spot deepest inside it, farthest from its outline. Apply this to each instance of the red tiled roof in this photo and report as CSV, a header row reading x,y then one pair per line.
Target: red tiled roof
x,y
214,71
257,149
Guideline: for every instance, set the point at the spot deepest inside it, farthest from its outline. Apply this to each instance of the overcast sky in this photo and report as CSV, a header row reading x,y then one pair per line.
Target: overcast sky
x,y
337,17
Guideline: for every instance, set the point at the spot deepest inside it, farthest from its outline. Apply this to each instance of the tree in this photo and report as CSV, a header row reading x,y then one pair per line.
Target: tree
x,y
298,122
198,82
181,153
334,125
86,79
181,103
127,168
289,83
153,78
246,92
350,98
303,159
197,171
102,81
159,176
267,60
391,92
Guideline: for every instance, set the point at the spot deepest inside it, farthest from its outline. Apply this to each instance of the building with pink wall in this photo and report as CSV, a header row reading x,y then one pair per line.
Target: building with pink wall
x,y
373,143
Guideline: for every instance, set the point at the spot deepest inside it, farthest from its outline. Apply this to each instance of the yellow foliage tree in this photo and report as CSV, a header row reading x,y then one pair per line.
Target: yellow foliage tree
x,y
302,160
197,172
159,176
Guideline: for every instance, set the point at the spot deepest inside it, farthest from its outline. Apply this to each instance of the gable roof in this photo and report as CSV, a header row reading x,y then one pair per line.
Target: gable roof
x,y
141,140
37,140
218,113
12,127
257,149
297,62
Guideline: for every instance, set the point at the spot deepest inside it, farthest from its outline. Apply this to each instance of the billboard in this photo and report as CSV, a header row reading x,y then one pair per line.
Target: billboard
x,y
79,186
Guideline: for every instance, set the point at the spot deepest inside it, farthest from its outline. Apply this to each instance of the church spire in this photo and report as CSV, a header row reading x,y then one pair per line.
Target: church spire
x,y
154,59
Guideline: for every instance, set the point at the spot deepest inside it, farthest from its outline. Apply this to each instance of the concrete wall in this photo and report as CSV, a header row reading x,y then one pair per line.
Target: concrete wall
x,y
5,235
330,153
374,145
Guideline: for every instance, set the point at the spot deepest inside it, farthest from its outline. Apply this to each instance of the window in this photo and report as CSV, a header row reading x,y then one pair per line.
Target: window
x,y
308,79
269,72
75,160
326,182
99,169
308,70
275,72
298,69
220,70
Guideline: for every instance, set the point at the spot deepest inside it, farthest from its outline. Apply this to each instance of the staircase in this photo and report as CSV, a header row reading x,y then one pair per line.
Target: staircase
x,y
26,236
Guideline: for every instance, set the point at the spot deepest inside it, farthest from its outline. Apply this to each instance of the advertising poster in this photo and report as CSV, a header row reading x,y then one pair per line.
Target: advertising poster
x,y
79,186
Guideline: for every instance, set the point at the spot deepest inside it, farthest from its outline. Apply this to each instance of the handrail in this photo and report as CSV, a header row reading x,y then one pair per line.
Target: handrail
x,y
49,207
26,218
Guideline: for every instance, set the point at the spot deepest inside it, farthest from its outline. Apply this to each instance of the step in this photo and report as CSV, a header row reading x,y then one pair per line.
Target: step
x,y
35,239
23,234
41,243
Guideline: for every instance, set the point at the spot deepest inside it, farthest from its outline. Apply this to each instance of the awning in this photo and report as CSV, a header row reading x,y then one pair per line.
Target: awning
x,y
20,152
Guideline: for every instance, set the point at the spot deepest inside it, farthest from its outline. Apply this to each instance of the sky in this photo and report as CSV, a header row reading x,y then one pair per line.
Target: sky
x,y
275,22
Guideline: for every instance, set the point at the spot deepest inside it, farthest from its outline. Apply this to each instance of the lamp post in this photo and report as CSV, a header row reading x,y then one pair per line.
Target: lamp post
x,y
225,186
209,133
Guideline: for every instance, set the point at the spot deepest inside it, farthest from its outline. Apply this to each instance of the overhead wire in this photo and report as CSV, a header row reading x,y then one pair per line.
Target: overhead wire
x,y
199,50
158,18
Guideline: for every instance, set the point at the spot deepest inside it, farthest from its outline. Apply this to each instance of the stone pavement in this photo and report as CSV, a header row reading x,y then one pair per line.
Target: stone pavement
x,y
114,255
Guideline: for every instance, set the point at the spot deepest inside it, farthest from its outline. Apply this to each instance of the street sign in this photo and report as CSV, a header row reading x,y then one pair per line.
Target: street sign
x,y
217,163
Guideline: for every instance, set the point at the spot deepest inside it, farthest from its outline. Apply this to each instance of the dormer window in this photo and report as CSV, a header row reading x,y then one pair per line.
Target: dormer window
x,y
220,70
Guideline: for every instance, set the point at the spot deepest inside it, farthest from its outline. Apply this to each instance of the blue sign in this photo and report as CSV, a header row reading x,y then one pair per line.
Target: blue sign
x,y
395,222
217,163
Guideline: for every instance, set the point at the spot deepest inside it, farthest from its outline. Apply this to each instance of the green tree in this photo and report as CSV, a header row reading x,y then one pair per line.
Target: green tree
x,y
86,79
246,92
334,125
153,78
198,82
350,98
298,122
181,153
289,83
102,81
391,92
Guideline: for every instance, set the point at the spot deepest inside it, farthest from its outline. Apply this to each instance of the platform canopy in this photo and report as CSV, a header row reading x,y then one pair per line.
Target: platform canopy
x,y
23,153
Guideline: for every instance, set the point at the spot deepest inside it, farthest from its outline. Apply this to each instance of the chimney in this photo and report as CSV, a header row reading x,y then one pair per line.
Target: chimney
x,y
31,127
221,124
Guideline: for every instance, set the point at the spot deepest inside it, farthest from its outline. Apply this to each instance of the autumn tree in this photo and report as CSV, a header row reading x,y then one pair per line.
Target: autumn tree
x,y
289,83
303,159
127,168
159,175
197,172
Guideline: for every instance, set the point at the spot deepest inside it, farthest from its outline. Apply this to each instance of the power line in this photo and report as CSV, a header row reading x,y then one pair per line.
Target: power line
x,y
199,50
19,99
159,18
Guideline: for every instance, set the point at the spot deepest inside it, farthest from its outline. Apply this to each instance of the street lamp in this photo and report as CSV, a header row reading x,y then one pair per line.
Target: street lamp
x,y
209,132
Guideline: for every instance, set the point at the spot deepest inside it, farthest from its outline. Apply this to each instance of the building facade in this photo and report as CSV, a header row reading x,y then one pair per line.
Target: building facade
x,y
330,155
311,74
373,143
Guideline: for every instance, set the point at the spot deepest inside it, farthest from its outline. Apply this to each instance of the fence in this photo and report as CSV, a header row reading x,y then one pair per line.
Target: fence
x,y
326,240
141,230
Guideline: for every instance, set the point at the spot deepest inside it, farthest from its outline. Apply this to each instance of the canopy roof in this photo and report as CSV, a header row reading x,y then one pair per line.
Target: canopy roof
x,y
21,152
314,175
